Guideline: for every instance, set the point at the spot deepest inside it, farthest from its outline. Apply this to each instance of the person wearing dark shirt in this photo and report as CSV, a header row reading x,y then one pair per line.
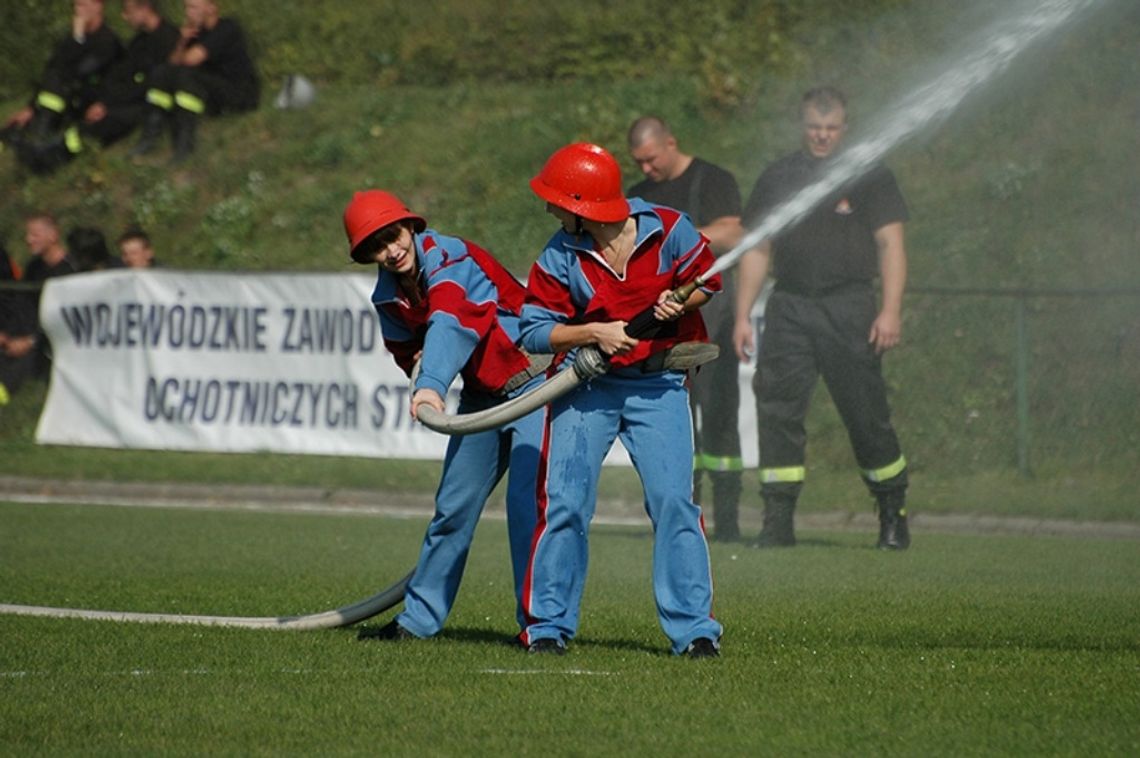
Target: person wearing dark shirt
x,y
24,351
709,195
87,248
12,372
822,319
9,270
69,85
136,249
210,72
122,104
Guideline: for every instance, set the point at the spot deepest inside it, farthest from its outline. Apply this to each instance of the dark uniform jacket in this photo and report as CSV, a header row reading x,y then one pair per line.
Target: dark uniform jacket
x,y
126,83
76,70
229,59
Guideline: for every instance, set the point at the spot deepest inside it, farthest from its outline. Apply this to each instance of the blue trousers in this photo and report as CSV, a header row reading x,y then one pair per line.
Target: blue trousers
x,y
650,414
472,467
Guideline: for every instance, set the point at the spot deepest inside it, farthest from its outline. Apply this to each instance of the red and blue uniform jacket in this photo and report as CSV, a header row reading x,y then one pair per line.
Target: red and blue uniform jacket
x,y
571,283
466,323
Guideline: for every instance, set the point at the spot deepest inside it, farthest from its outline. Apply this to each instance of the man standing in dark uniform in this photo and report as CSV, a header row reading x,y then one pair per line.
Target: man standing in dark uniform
x,y
210,72
822,319
69,84
709,195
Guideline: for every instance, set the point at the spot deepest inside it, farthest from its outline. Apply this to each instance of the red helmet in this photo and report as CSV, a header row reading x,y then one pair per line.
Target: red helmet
x,y
585,180
372,210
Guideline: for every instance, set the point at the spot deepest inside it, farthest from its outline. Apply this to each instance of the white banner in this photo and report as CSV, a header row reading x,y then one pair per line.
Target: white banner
x,y
236,362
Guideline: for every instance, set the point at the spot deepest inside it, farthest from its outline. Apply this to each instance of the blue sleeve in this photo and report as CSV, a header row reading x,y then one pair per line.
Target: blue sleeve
x,y
391,329
462,301
548,301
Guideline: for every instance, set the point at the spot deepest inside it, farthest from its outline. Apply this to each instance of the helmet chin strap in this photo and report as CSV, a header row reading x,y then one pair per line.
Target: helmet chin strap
x,y
579,230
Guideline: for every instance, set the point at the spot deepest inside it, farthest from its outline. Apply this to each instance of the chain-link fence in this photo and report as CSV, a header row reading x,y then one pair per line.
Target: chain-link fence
x,y
1036,379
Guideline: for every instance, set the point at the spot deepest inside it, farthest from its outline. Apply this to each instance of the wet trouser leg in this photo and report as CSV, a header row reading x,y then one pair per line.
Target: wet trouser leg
x,y
658,436
472,467
650,412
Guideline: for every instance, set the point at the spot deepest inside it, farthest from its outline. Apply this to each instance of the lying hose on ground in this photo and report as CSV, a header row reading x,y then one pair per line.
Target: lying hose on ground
x,y
349,614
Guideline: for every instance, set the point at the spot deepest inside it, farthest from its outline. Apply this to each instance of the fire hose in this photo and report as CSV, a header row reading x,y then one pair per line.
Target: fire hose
x,y
349,614
588,363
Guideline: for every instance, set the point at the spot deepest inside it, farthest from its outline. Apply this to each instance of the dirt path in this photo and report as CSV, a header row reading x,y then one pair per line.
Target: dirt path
x,y
412,505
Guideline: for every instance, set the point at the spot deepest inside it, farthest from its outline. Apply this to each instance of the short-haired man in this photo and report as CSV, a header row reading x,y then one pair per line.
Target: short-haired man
x,y
711,198
49,259
823,319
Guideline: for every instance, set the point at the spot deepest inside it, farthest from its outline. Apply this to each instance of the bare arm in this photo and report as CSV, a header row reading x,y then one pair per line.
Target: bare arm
x,y
724,233
751,272
609,336
887,327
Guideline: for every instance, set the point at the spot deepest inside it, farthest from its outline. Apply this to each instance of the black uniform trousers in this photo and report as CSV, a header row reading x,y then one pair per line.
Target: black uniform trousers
x,y
211,93
806,337
121,120
714,399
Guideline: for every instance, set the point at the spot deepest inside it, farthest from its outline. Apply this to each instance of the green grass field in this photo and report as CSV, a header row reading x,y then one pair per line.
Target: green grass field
x,y
963,645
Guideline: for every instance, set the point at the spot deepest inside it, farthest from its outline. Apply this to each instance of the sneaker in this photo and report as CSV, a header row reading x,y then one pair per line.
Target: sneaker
x,y
390,631
702,647
546,645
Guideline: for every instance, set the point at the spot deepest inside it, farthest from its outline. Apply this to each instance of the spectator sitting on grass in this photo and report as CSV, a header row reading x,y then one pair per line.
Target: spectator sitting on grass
x,y
68,86
210,72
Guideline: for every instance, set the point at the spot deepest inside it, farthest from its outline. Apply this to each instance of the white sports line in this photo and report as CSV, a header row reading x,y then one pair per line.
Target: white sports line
x,y
303,672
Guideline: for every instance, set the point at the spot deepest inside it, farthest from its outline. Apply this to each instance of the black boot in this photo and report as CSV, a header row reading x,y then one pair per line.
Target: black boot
x,y
779,527
185,123
726,505
44,157
153,127
44,124
11,135
893,531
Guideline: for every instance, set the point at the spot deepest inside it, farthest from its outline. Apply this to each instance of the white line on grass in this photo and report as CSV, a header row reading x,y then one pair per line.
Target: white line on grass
x,y
298,672
827,521
260,506
556,672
